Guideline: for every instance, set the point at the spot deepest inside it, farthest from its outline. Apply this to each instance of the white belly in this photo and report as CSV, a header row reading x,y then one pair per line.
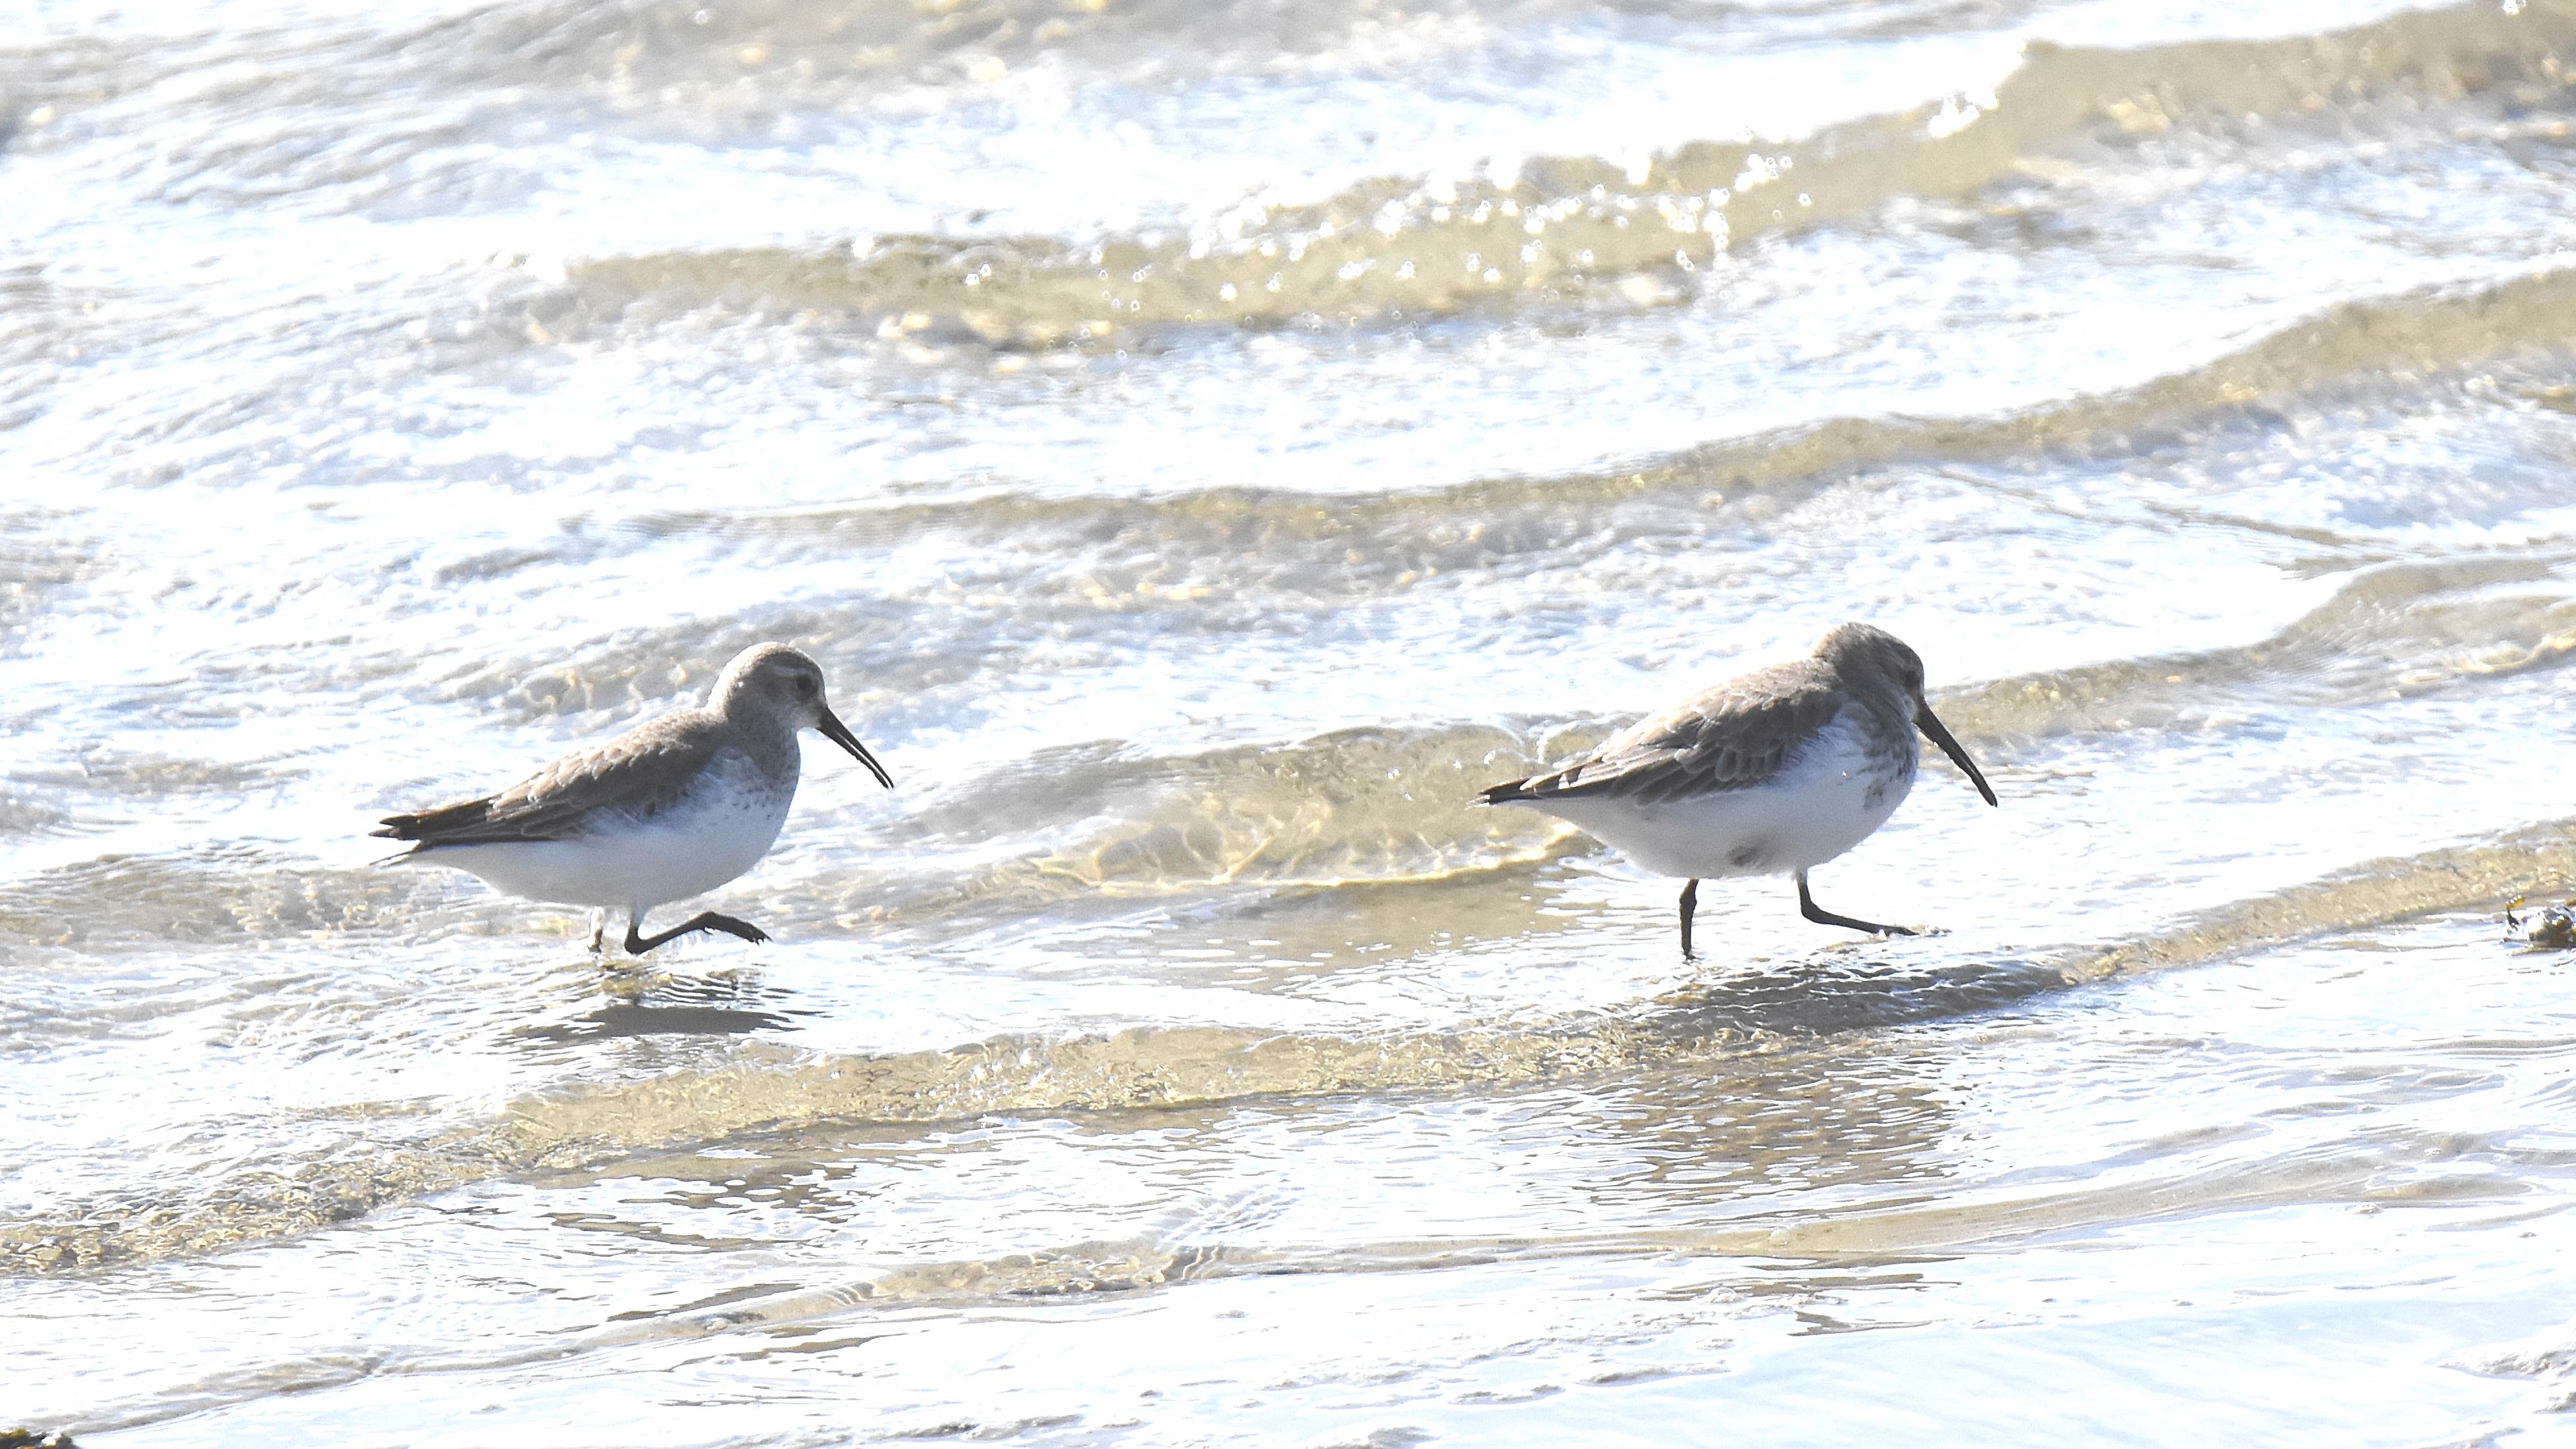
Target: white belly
x,y
1825,802
689,849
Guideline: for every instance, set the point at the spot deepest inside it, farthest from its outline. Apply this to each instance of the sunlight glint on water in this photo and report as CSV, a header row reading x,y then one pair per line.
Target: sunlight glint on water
x,y
1204,445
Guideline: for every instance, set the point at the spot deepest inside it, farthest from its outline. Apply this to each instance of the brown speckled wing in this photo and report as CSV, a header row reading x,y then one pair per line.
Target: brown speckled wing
x,y
639,772
1728,737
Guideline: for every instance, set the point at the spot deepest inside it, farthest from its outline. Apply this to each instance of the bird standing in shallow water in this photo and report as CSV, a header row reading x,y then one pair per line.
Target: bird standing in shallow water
x,y
1779,770
670,809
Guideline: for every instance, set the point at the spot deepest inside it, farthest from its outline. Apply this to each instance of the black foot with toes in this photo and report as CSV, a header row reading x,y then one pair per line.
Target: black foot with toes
x,y
637,945
1808,908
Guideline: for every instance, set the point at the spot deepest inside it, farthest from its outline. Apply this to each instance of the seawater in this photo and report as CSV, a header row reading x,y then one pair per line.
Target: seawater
x,y
1204,443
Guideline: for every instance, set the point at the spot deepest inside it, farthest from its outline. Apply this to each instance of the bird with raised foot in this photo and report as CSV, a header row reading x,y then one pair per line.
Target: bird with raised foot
x,y
671,809
1772,772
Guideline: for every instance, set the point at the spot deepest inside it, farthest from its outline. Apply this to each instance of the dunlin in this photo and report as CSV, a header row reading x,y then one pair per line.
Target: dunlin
x,y
1779,770
670,809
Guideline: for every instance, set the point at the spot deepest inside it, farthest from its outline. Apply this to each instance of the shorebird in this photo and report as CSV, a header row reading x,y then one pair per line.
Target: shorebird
x,y
1779,770
672,808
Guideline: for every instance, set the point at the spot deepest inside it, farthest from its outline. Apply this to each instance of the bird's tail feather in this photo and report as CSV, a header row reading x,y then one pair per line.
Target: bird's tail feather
x,y
428,825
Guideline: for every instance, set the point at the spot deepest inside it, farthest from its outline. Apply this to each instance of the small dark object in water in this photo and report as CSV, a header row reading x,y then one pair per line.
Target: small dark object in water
x,y
31,1439
2553,929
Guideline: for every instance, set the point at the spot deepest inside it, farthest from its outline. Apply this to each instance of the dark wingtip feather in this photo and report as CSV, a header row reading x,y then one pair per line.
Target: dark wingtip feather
x,y
1504,793
427,826
402,827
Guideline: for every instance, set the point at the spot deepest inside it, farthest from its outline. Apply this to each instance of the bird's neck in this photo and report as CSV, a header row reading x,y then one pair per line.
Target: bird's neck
x,y
771,743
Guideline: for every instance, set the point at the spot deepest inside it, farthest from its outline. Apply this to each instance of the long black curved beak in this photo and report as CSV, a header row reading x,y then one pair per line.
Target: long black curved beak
x,y
1930,723
839,734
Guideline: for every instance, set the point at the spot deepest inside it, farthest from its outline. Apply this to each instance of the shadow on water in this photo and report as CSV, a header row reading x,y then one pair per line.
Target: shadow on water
x,y
643,1002
633,1019
1811,997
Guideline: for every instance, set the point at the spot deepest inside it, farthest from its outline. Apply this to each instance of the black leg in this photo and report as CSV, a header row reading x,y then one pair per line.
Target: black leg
x,y
1807,907
1690,908
637,945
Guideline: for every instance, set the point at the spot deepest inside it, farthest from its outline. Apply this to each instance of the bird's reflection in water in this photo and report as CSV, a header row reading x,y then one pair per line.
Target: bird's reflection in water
x,y
645,1002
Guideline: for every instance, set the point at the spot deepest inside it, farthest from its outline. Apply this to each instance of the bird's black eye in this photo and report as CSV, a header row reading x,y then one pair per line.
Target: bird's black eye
x,y
808,685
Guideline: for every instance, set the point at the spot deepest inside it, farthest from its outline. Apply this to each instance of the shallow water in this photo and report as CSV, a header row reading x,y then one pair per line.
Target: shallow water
x,y
1203,444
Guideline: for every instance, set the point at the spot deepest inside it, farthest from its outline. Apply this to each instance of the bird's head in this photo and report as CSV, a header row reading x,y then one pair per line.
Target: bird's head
x,y
774,681
1869,658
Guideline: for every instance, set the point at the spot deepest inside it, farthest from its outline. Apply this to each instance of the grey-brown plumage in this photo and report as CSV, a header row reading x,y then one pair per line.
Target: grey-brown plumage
x,y
1726,737
675,806
639,774
1779,769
